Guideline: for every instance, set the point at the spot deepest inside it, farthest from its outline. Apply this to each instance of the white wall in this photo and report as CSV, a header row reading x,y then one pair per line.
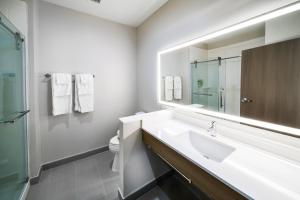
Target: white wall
x,y
32,85
283,28
73,42
196,53
179,21
235,49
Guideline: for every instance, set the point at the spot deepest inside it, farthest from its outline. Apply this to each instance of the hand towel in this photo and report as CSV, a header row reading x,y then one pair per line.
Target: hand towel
x,y
177,88
61,85
169,86
84,93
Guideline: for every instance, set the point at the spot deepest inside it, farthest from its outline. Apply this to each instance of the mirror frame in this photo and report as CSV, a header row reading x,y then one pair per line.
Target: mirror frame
x,y
285,130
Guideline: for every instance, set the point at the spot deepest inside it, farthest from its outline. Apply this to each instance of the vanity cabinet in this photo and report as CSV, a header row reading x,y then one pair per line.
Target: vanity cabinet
x,y
207,183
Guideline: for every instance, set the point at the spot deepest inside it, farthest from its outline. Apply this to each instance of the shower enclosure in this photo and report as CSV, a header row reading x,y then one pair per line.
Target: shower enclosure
x,y
216,84
13,150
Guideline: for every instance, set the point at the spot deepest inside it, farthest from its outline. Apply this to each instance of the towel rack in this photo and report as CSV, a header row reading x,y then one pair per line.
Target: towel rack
x,y
49,75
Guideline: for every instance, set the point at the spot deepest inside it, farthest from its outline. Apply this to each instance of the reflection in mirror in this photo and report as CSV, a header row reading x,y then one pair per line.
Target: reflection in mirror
x,y
253,72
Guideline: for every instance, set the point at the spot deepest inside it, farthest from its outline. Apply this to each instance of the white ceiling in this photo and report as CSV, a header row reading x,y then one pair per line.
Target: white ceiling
x,y
129,12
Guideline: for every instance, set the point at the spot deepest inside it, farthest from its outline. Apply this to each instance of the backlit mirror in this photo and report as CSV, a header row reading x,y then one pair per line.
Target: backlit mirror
x,y
252,72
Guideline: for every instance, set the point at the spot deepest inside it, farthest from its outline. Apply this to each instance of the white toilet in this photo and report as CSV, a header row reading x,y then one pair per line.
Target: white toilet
x,y
114,147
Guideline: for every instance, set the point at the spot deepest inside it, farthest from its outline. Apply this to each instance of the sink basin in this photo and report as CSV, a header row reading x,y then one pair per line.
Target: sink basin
x,y
209,147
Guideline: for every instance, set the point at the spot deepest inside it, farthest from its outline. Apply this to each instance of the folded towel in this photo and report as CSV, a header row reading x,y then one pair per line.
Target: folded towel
x,y
61,85
84,93
169,85
177,88
62,78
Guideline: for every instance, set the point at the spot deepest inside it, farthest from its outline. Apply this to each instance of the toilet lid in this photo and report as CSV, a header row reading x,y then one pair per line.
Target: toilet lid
x,y
114,140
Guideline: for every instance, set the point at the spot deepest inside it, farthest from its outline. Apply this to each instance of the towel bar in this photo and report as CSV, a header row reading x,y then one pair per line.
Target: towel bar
x,y
49,75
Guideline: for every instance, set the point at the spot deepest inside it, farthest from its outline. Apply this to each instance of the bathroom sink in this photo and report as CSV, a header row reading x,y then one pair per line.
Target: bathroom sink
x,y
172,132
207,146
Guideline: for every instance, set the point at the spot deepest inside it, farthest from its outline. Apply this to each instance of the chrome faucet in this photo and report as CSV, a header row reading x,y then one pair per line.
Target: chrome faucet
x,y
212,129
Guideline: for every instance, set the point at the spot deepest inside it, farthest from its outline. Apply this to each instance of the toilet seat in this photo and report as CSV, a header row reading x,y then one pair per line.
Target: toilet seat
x,y
114,144
115,140
114,147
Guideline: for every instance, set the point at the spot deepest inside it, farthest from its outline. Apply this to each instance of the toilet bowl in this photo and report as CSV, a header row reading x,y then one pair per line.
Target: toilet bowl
x,y
114,147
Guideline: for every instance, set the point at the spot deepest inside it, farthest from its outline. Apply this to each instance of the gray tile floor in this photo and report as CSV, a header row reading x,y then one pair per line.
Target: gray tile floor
x,y
92,179
86,179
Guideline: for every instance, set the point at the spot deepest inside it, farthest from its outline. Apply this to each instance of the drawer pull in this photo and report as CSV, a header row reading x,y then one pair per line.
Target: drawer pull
x,y
186,178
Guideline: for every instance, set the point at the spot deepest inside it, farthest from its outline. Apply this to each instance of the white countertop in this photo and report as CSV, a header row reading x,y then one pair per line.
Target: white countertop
x,y
254,173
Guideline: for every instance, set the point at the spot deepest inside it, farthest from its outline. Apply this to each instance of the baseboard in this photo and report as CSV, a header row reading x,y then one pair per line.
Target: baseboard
x,y
36,179
139,192
120,196
49,165
56,163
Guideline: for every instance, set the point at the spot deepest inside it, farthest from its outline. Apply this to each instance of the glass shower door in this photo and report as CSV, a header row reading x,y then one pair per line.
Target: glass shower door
x,y
13,155
205,84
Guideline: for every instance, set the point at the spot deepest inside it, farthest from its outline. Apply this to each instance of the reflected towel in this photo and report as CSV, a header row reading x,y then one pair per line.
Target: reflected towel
x,y
169,88
177,88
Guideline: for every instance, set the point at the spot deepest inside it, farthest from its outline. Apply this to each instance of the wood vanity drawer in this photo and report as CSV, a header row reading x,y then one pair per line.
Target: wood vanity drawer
x,y
211,186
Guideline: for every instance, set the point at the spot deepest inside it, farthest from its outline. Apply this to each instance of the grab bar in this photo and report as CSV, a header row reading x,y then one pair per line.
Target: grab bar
x,y
13,120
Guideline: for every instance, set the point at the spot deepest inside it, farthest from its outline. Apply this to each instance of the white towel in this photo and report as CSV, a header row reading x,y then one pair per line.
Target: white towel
x,y
177,88
84,93
61,85
169,86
